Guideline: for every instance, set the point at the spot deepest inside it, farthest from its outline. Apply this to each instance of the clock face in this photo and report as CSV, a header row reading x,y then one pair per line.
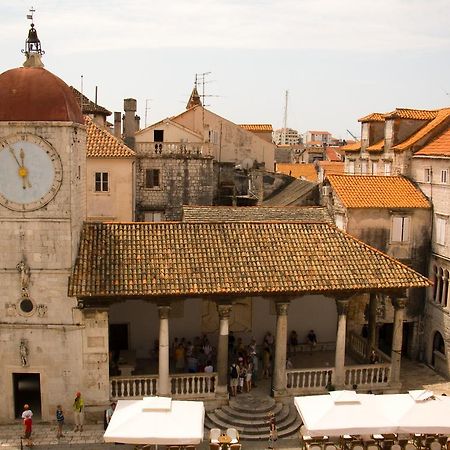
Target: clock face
x,y
30,172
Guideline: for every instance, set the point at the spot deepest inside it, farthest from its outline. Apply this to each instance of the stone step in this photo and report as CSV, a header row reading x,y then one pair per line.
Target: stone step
x,y
251,403
287,432
249,421
255,429
251,414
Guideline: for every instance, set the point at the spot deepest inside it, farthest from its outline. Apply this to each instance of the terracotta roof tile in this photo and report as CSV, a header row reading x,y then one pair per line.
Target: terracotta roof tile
x,y
332,154
197,259
412,114
266,127
439,147
88,106
353,147
370,191
332,167
293,194
374,117
441,116
102,144
306,171
377,147
255,214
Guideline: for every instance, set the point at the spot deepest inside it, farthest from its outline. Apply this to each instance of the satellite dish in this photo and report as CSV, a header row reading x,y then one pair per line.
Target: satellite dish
x,y
247,163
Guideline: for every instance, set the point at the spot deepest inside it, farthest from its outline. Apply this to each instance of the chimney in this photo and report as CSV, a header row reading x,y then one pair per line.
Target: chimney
x,y
129,121
118,125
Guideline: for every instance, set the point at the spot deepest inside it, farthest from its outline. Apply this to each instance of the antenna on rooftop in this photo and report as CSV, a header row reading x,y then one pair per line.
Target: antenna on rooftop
x,y
147,108
200,79
30,16
283,133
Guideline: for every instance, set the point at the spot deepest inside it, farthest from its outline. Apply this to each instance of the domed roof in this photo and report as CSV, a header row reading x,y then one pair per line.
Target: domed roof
x,y
35,94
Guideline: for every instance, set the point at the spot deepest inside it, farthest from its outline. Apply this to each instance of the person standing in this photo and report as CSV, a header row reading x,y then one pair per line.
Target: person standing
x,y
59,420
273,434
78,412
109,413
27,412
28,427
234,378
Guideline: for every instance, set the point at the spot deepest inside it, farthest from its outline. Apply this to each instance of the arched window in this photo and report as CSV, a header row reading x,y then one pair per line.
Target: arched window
x,y
435,282
440,285
444,299
438,343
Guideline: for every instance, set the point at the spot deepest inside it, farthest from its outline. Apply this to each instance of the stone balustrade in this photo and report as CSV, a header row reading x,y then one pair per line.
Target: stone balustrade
x,y
368,376
183,385
357,347
303,381
173,148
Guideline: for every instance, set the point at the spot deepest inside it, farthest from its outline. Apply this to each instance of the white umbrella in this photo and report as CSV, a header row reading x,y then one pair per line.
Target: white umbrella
x,y
156,420
343,412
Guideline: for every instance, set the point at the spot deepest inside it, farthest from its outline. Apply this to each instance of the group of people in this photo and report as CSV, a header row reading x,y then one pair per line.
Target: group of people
x,y
78,411
193,356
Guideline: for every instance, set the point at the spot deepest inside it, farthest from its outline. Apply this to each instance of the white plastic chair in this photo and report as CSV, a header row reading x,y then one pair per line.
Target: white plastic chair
x,y
410,446
232,432
397,447
214,434
435,445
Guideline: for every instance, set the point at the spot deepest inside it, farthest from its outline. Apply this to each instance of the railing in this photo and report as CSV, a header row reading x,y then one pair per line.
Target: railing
x,y
370,375
183,385
309,380
174,148
358,347
319,347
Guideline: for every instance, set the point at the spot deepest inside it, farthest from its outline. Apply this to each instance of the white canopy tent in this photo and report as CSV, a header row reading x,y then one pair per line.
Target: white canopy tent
x,y
346,412
156,420
343,412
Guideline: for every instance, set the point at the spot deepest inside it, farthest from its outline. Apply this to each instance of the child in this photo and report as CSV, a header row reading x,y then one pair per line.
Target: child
x,y
28,425
59,420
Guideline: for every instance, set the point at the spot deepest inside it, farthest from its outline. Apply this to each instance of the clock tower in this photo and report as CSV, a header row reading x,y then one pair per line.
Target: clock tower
x,y
46,343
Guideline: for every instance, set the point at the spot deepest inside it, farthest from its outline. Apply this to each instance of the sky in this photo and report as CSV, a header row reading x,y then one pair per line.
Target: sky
x,y
338,59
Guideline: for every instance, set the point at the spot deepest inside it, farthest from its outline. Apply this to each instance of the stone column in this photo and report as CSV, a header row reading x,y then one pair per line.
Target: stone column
x,y
397,339
339,364
279,368
372,324
222,351
163,369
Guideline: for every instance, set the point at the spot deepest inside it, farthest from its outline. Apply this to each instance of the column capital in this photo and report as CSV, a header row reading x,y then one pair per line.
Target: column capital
x,y
399,302
342,306
282,308
164,311
224,311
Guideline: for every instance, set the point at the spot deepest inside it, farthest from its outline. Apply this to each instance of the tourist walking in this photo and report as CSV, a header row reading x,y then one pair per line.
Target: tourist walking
x,y
28,428
273,434
27,412
78,412
59,421
234,378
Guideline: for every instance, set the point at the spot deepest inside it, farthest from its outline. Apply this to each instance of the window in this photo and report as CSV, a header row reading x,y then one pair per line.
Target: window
x,y
444,176
400,229
441,225
151,178
101,182
374,167
153,216
340,221
427,175
158,135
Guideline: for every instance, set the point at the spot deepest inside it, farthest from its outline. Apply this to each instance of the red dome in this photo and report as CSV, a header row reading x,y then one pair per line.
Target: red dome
x,y
35,94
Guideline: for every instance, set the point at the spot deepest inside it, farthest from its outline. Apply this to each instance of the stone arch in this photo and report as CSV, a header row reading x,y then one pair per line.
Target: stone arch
x,y
438,344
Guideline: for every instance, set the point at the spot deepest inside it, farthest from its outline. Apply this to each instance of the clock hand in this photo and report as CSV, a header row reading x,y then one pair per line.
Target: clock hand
x,y
23,171
14,155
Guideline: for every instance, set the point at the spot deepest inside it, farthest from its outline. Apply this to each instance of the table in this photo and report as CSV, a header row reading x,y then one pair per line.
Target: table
x,y
224,440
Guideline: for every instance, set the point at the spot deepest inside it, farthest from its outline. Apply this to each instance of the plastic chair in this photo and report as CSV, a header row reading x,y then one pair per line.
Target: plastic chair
x,y
396,447
330,446
214,434
232,432
235,446
314,446
435,445
410,446
214,446
190,447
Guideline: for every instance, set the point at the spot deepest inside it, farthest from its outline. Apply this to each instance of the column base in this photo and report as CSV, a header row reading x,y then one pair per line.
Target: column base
x,y
222,392
280,393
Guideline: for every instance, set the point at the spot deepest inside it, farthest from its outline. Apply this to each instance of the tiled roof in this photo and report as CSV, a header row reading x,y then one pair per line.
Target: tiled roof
x,y
332,167
102,144
441,116
374,117
332,154
306,171
370,191
412,114
318,132
377,147
255,214
439,147
158,260
266,127
88,106
353,147
292,194
316,143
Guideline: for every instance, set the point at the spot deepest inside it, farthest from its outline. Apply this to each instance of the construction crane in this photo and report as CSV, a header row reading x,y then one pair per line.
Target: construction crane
x,y
352,135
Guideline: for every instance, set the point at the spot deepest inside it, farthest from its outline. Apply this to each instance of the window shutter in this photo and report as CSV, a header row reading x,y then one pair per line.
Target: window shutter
x,y
406,226
397,229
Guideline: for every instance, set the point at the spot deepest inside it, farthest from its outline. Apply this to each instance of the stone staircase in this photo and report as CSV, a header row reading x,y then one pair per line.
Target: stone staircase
x,y
249,413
